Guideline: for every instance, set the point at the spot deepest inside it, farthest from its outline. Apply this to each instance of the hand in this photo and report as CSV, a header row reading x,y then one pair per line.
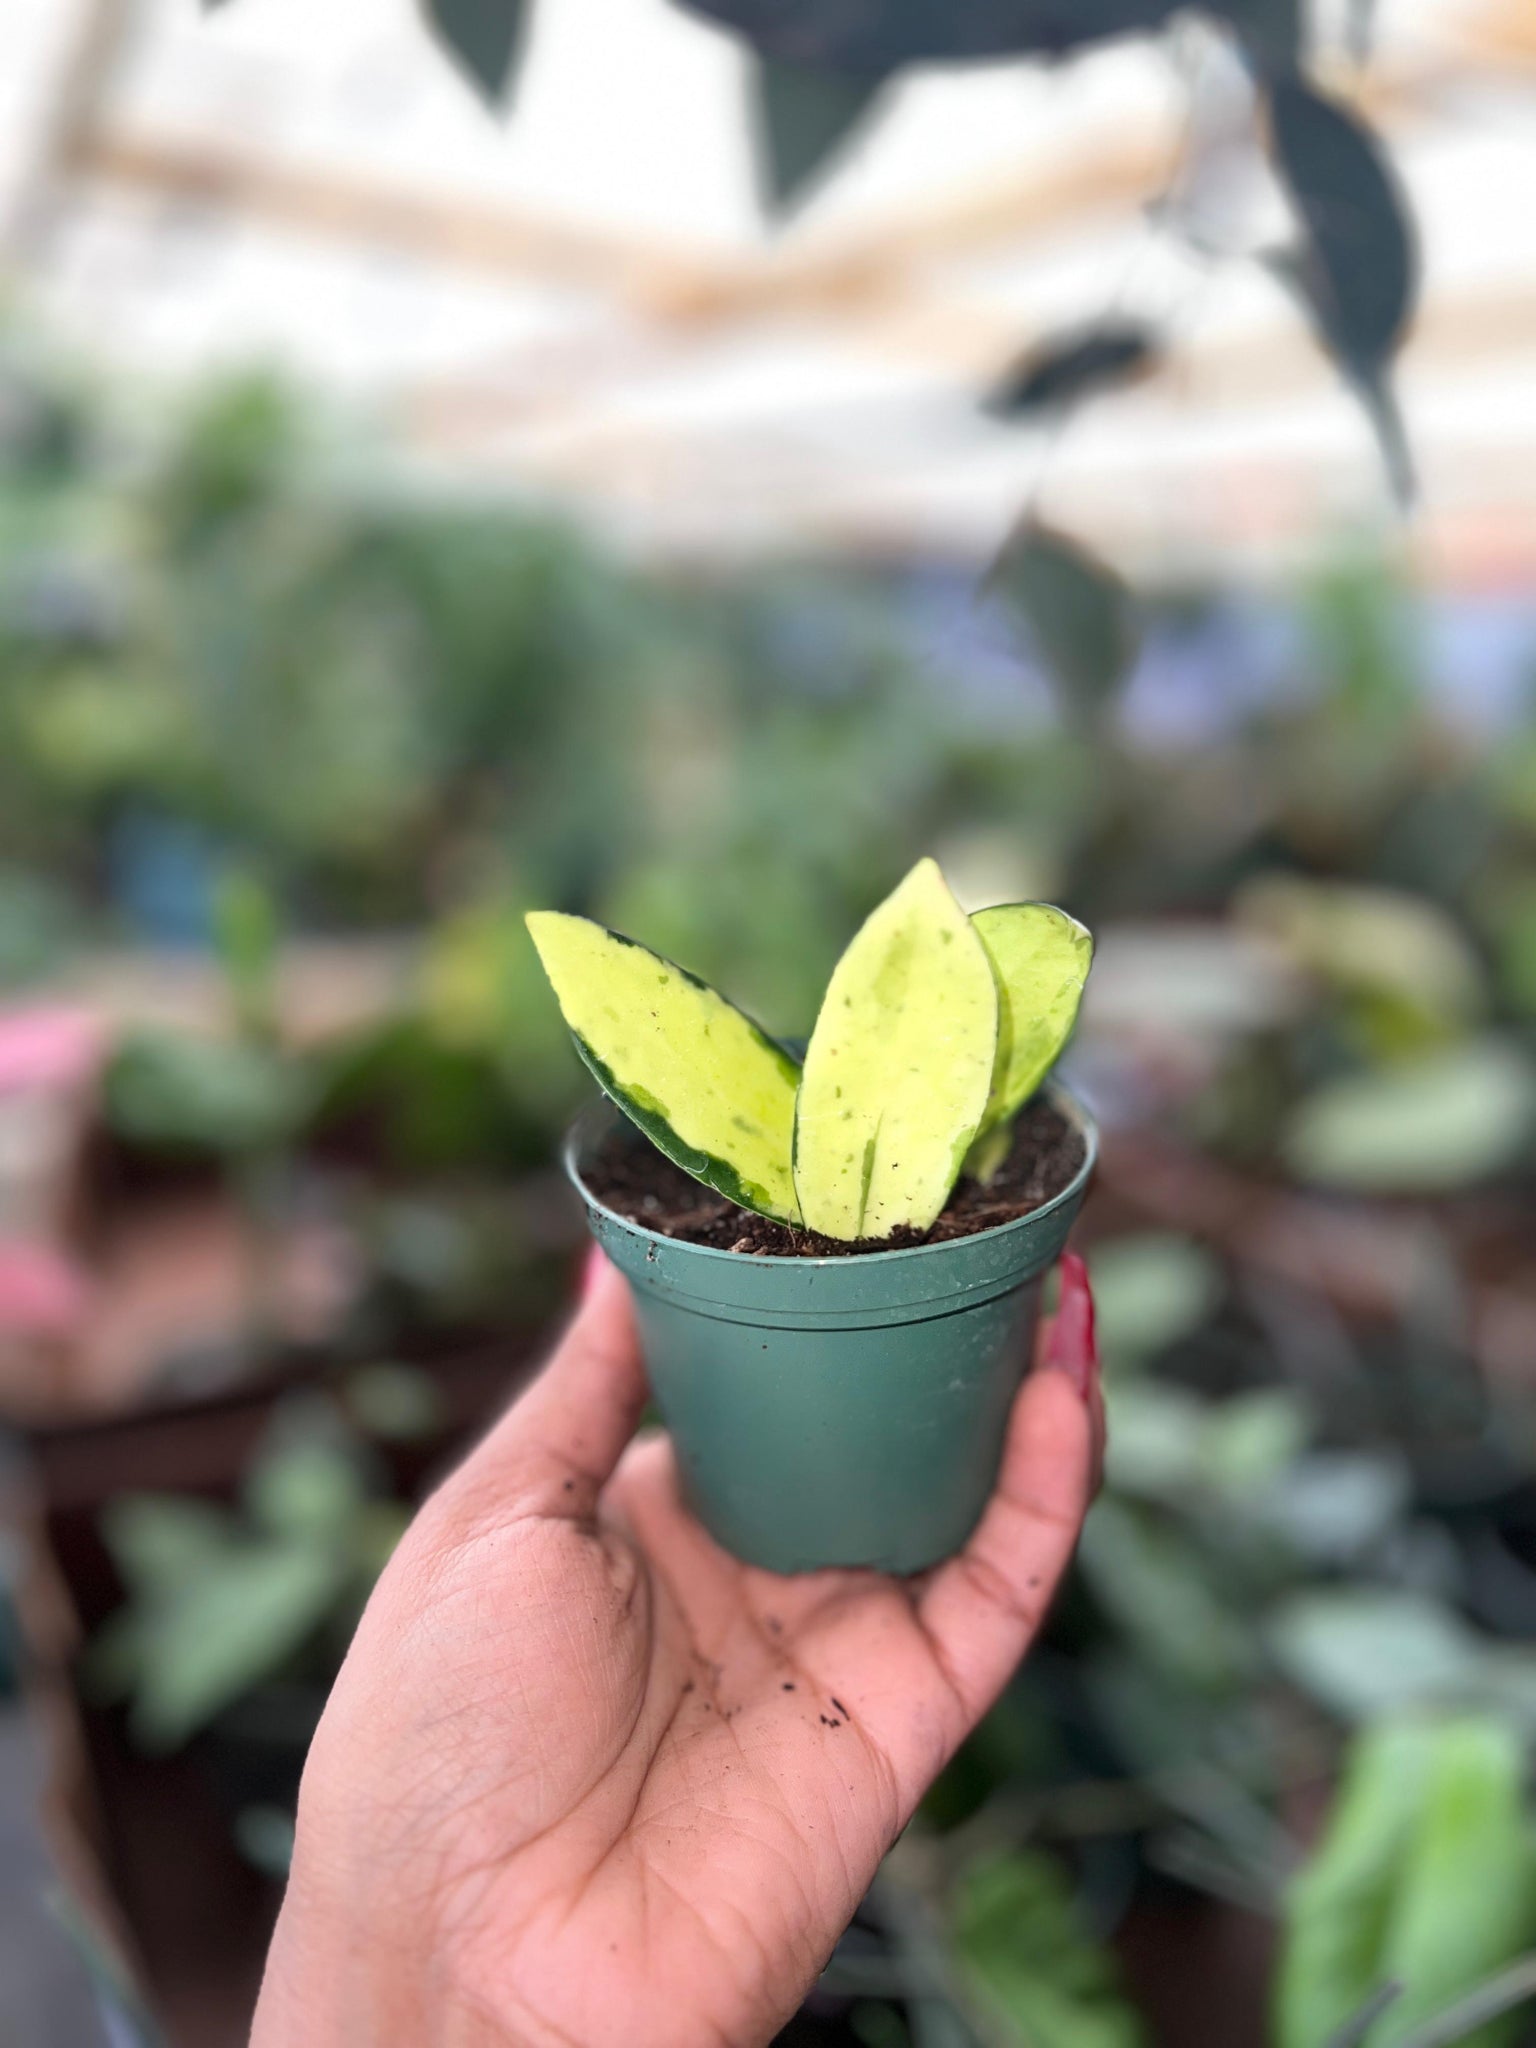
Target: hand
x,y
585,1780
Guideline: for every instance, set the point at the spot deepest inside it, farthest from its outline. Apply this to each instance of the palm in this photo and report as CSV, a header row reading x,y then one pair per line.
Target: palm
x,y
658,1781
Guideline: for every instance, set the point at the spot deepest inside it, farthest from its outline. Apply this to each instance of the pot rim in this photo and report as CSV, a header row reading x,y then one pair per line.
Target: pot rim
x,y
605,1110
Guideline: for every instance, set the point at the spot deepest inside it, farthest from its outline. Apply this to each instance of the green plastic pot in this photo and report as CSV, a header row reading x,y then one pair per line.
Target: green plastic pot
x,y
845,1411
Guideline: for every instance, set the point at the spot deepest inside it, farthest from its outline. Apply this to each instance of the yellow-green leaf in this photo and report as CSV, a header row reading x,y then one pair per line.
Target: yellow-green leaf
x,y
1425,1876
1041,959
899,1066
707,1087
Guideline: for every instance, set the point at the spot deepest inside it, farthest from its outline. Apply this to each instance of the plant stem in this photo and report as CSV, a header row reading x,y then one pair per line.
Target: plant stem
x,y
1497,1995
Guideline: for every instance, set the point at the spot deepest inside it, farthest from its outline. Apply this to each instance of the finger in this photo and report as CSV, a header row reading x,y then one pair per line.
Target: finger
x,y
1070,1341
554,1449
981,1608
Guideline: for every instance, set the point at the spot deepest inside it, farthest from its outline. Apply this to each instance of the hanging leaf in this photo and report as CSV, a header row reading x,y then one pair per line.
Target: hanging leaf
x,y
1424,1809
1077,610
871,38
1268,31
1356,271
1073,367
484,38
804,121
1359,262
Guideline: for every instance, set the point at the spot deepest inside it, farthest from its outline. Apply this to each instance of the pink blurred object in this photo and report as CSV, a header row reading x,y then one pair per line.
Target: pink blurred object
x,y
48,1047
42,1293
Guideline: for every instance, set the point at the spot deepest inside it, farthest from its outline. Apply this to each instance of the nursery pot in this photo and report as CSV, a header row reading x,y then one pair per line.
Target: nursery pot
x,y
840,1411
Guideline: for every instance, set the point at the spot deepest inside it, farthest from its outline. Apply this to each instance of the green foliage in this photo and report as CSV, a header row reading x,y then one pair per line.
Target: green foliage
x,y
1150,1290
204,1095
220,1601
1369,1650
1426,1878
1023,1949
247,934
1445,1120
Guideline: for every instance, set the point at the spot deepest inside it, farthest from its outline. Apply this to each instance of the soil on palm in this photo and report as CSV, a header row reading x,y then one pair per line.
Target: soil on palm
x,y
628,1174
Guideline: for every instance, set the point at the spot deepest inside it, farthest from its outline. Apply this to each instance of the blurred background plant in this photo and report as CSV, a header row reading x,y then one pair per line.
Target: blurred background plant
x,y
292,731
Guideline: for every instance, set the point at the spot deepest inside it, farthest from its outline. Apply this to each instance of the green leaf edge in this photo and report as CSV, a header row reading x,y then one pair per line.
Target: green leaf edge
x,y
707,1167
994,1137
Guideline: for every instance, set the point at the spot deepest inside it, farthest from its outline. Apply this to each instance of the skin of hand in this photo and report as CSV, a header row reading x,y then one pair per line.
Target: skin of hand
x,y
586,1781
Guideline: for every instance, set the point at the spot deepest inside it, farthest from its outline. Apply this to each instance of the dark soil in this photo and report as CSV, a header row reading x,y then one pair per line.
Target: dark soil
x,y
631,1176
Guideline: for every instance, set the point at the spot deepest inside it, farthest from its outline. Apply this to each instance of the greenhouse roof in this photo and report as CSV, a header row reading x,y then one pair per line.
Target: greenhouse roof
x,y
581,299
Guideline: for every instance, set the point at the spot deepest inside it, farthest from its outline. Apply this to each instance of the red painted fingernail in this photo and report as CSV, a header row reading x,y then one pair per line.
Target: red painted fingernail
x,y
1072,1346
591,1269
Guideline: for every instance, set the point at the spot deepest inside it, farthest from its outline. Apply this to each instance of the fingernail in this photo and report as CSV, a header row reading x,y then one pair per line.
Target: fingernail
x,y
1072,1346
591,1270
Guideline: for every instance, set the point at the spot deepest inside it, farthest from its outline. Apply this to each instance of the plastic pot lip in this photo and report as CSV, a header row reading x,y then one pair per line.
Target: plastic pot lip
x,y
602,1113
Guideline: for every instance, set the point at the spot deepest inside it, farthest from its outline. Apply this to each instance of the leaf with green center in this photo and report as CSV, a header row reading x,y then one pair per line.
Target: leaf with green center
x,y
1041,958
1386,1898
899,1066
707,1087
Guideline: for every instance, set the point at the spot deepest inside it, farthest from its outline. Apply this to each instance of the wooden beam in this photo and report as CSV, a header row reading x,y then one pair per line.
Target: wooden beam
x,y
336,206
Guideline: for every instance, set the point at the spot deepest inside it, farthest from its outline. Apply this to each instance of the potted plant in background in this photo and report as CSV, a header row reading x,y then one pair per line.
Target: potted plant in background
x,y
836,1327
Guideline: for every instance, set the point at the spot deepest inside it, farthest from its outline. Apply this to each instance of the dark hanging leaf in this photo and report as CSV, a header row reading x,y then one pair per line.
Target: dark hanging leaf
x,y
870,37
1356,270
1381,410
1360,266
1078,612
1074,367
803,120
1270,32
483,37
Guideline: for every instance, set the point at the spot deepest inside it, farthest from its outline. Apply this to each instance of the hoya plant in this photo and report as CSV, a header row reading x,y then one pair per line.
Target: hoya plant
x,y
934,1031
